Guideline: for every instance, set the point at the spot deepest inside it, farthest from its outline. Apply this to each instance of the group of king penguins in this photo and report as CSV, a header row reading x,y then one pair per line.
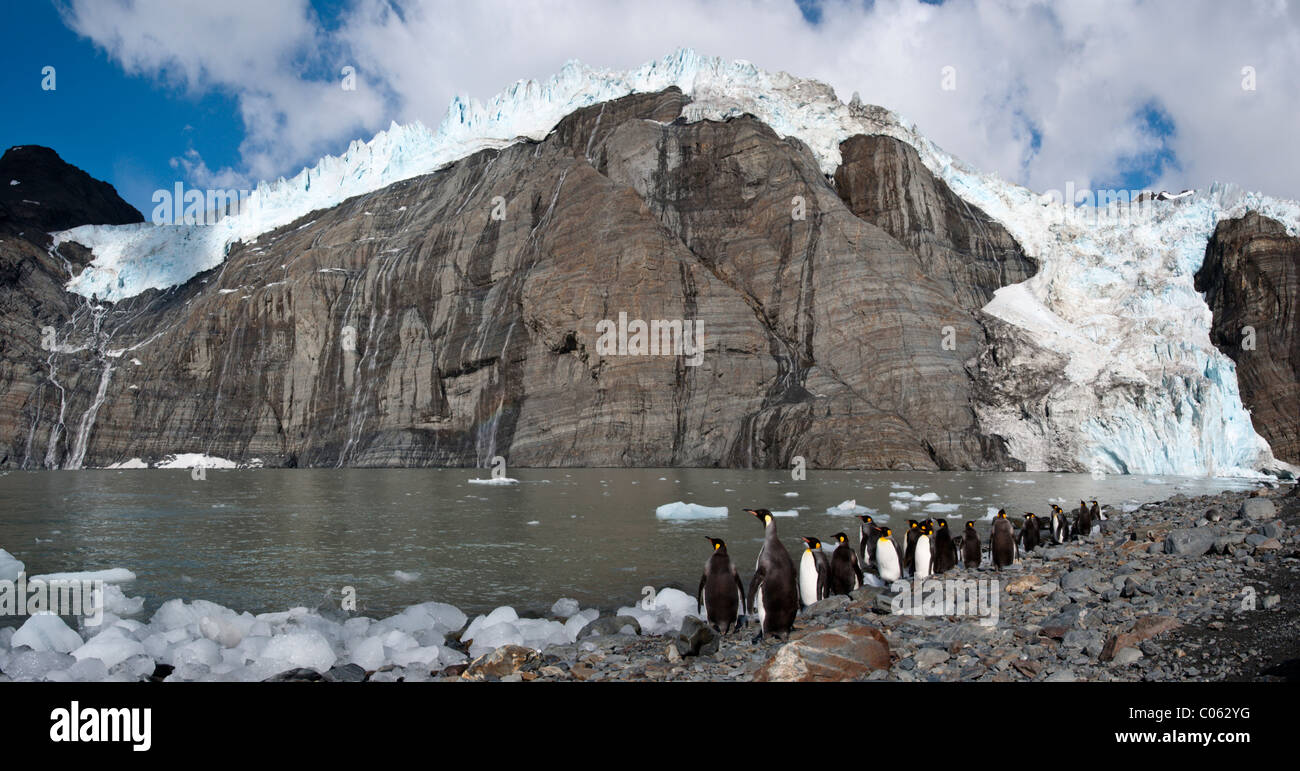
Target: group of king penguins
x,y
777,592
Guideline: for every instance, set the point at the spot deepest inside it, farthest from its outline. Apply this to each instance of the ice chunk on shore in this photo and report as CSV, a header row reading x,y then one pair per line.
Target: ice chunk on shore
x,y
46,633
10,566
112,647
565,608
683,511
301,649
578,620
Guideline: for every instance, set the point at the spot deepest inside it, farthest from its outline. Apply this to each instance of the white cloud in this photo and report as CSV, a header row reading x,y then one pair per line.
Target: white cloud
x,y
1076,73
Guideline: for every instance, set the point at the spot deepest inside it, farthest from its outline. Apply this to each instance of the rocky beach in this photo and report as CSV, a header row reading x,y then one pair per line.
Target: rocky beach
x,y
1185,589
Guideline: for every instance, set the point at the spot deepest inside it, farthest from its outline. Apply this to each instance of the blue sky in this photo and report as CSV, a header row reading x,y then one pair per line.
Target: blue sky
x,y
1049,92
119,128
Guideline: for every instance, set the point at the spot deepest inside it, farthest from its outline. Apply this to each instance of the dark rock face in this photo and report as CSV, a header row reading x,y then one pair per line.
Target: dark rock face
x,y
1251,278
53,195
414,327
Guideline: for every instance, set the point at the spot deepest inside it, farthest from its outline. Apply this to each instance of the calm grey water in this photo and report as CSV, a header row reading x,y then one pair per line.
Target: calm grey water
x,y
268,540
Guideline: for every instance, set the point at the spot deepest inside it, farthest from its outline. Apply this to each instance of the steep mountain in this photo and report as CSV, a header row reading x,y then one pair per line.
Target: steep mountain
x,y
440,297
40,193
1251,280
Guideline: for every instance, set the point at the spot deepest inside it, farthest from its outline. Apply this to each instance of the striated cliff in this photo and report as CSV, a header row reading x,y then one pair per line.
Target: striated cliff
x,y
452,317
1251,281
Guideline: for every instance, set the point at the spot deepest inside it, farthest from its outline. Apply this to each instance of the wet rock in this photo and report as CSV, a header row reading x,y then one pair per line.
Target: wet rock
x,y
506,660
928,658
1126,656
1190,542
1143,629
1079,579
1257,509
609,625
697,638
840,653
298,675
346,673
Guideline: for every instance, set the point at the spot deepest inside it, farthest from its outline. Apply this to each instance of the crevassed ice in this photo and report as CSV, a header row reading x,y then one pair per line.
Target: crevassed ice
x,y
1114,297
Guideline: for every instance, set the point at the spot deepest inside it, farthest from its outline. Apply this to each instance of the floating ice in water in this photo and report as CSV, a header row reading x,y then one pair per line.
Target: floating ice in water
x,y
1022,481
900,486
941,508
564,607
926,497
46,633
110,576
10,566
132,463
788,513
533,522
792,495
494,481
850,507
404,577
903,495
898,505
1153,481
682,510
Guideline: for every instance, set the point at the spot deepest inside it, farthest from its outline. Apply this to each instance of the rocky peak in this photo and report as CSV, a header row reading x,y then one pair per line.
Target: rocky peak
x,y
39,191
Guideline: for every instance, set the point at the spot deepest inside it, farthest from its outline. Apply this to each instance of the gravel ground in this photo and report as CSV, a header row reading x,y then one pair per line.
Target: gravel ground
x,y
1194,589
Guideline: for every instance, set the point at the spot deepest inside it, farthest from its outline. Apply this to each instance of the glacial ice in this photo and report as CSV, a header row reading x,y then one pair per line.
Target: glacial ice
x,y
680,510
565,608
1113,296
10,566
46,632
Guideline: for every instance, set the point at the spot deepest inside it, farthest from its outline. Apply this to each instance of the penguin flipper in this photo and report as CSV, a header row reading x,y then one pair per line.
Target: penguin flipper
x,y
759,574
699,593
740,584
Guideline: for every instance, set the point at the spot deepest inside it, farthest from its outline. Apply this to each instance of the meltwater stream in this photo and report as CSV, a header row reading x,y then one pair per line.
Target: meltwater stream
x,y
268,540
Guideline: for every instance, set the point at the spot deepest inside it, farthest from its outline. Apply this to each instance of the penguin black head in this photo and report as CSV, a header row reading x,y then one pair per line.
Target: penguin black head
x,y
886,533
840,537
970,525
912,523
1056,508
1030,517
763,515
1002,513
813,543
718,543
941,522
1094,503
866,519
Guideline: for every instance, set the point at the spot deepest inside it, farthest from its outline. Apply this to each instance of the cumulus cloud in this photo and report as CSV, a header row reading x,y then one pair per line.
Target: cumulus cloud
x,y
1045,93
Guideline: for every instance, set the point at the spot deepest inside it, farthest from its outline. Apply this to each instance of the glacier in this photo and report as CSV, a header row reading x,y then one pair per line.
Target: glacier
x,y
1114,293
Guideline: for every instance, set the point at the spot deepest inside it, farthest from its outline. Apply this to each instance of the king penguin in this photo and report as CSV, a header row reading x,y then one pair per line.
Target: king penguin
x,y
1029,533
867,534
1060,526
970,547
888,561
1083,521
923,555
846,571
814,572
909,550
1097,516
945,548
772,590
721,591
1002,544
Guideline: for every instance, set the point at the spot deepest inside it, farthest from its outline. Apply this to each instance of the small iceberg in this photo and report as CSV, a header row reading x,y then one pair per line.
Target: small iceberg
x,y
679,510
494,481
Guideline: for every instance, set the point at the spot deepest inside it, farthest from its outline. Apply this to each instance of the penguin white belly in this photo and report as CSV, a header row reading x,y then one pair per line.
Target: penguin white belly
x,y
808,578
887,562
758,604
922,559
